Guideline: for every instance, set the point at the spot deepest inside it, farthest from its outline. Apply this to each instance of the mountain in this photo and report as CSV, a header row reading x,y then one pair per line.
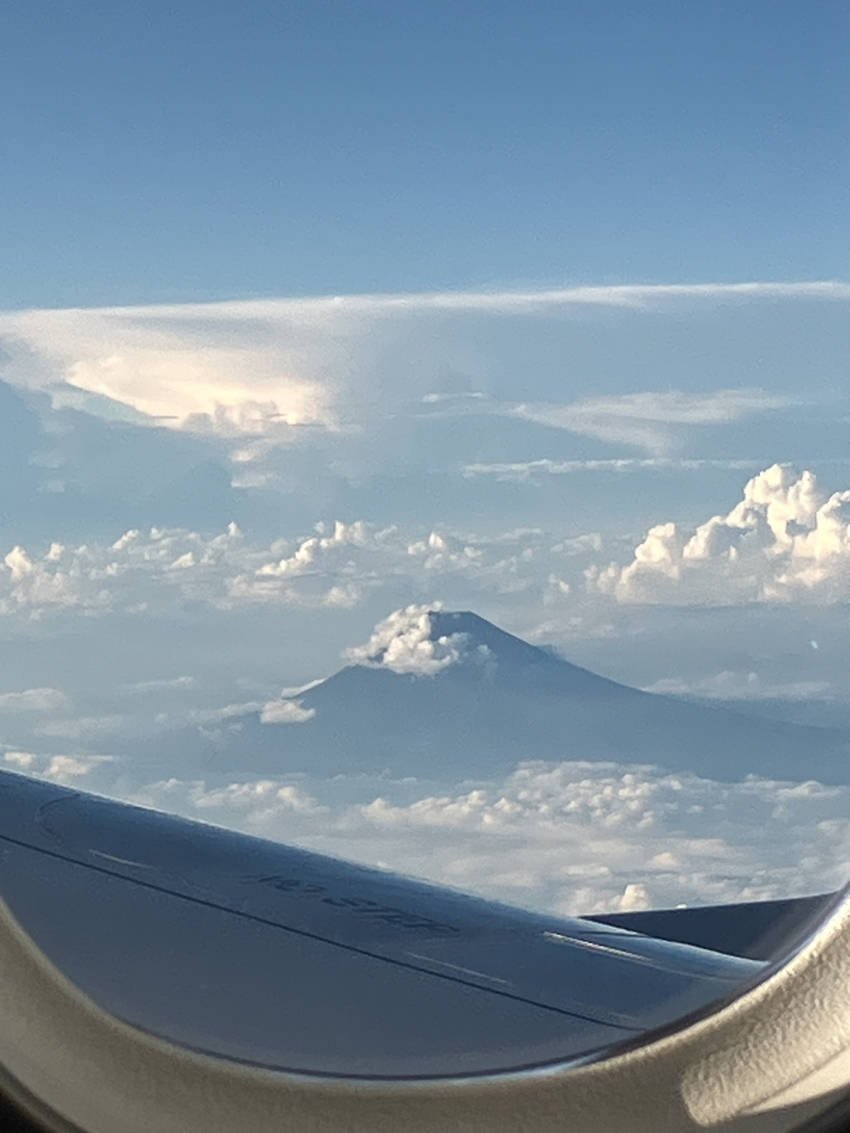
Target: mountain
x,y
449,696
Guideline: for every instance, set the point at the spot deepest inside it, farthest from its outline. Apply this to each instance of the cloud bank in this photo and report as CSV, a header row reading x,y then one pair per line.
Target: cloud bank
x,y
784,540
567,837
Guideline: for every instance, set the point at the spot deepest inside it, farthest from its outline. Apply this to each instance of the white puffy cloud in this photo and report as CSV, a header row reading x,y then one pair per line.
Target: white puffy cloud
x,y
405,642
40,584
635,898
70,768
285,711
314,548
585,837
333,567
569,837
21,759
783,540
255,806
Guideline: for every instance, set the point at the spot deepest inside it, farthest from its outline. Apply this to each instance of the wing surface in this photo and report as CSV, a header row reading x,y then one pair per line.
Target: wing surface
x,y
273,955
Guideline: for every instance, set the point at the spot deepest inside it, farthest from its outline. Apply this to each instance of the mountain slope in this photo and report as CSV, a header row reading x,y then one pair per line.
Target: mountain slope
x,y
454,697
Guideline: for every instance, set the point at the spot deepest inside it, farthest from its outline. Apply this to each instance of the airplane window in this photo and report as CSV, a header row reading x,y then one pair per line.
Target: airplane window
x,y
425,519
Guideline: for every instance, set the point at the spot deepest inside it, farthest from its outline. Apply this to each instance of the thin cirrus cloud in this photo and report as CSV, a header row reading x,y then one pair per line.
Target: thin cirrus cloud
x,y
253,367
650,420
533,470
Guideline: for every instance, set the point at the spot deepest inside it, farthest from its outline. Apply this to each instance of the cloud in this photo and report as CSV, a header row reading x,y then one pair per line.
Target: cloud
x,y
285,711
252,806
314,548
649,420
87,727
785,540
782,541
178,368
69,768
33,700
447,397
158,569
40,584
22,759
570,837
405,642
731,684
524,470
160,684
408,642
266,366
591,837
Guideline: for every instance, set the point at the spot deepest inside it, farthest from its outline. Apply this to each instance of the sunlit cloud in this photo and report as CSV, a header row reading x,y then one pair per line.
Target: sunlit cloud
x,y
269,366
784,540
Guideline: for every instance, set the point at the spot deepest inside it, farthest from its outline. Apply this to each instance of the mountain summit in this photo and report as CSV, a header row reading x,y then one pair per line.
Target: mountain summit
x,y
442,695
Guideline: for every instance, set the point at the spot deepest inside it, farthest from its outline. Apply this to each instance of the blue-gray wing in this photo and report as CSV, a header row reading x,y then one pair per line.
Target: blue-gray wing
x,y
273,955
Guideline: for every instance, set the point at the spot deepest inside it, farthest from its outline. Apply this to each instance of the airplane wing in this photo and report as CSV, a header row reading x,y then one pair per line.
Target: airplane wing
x,y
275,956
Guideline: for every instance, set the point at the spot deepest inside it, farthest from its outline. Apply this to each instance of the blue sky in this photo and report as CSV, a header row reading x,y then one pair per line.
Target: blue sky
x,y
165,152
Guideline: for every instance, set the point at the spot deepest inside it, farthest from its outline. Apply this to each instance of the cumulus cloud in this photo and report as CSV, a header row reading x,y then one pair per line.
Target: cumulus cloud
x,y
569,837
311,550
285,711
406,642
783,540
255,806
20,759
586,837
39,584
332,567
66,769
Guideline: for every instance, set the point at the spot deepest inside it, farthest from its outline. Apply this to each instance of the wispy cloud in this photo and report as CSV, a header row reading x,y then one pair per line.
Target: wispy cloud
x,y
520,470
264,366
33,700
496,299
649,419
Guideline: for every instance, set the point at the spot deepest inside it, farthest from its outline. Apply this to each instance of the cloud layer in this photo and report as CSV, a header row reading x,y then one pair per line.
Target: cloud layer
x,y
264,366
569,837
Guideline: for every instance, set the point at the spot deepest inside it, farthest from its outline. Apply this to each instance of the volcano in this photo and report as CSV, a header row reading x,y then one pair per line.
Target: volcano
x,y
449,696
